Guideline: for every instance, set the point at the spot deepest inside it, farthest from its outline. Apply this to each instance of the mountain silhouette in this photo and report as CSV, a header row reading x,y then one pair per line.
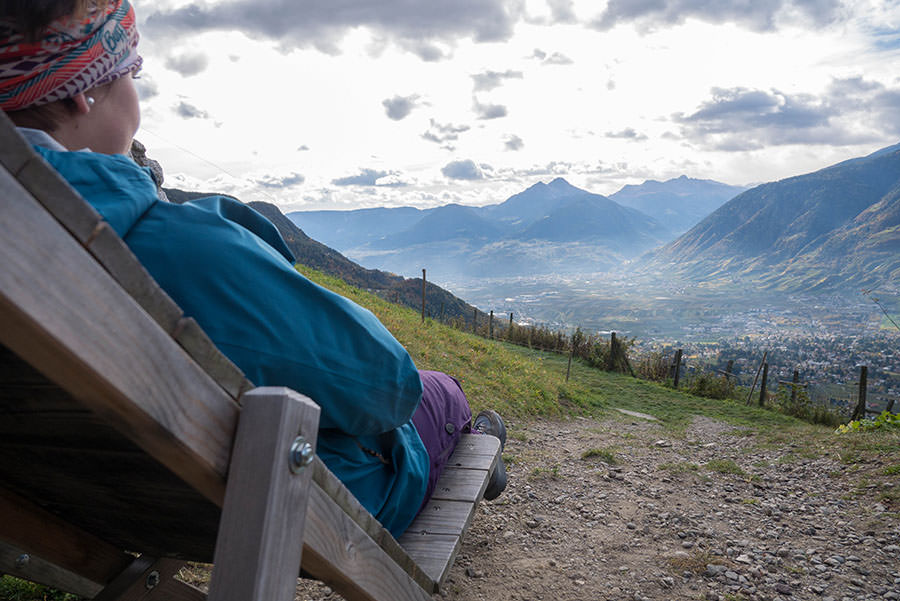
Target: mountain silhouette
x,y
448,222
548,228
680,203
802,232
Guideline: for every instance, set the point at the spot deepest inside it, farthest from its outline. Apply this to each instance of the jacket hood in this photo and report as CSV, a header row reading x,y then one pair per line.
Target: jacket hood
x,y
119,189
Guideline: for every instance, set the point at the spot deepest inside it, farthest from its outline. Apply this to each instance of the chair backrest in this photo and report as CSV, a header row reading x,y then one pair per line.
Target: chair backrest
x,y
117,413
107,418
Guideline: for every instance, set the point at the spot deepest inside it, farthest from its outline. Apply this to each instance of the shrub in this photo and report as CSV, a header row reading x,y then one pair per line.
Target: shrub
x,y
801,406
885,420
710,386
652,366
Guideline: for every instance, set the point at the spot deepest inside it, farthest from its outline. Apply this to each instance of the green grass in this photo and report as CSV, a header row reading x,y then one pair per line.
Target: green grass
x,y
13,589
681,467
724,466
518,435
539,473
696,562
494,375
605,455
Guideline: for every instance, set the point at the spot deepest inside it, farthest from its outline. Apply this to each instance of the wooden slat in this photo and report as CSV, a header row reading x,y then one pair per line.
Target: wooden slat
x,y
14,151
458,484
148,579
335,489
434,553
219,367
40,533
433,539
172,589
30,169
139,568
443,517
78,217
259,543
339,553
79,328
126,498
48,573
476,451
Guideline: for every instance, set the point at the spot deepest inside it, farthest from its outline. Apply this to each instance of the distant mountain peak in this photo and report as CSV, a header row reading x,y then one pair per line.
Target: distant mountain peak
x,y
561,184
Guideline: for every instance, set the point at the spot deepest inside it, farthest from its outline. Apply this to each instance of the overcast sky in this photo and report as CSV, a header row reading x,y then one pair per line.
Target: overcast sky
x,y
358,103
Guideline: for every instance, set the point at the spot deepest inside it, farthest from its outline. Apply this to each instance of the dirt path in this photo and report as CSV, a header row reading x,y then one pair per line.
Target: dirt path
x,y
623,509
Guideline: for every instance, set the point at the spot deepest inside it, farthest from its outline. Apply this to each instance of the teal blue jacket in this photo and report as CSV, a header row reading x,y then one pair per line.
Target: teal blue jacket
x,y
228,267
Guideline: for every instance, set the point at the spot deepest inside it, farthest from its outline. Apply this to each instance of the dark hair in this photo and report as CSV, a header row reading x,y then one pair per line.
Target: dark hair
x,y
46,117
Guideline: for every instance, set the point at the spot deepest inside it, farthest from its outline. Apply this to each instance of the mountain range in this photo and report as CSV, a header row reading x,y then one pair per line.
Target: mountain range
x,y
680,203
835,228
549,228
831,229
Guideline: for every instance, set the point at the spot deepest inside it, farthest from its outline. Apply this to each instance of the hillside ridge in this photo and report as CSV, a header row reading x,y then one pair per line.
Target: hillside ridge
x,y
314,254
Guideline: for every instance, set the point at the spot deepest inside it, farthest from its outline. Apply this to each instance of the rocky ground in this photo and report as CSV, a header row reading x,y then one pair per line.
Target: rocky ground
x,y
624,509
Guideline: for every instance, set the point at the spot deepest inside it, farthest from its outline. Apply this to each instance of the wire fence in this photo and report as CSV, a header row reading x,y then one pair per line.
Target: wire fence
x,y
811,394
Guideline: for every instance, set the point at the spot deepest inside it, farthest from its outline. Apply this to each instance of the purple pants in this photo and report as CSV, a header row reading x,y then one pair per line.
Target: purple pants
x,y
442,416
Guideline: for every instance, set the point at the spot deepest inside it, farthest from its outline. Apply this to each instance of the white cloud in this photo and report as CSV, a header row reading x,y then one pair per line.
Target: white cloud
x,y
399,107
465,170
188,63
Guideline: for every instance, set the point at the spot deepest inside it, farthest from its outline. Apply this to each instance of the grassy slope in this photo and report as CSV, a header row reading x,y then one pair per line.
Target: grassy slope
x,y
523,383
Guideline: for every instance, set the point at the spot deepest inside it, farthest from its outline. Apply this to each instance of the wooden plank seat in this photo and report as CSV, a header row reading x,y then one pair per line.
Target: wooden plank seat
x,y
129,443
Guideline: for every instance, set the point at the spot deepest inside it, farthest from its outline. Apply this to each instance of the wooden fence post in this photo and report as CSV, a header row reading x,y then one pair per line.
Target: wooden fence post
x,y
475,321
612,351
752,388
762,387
860,411
677,367
491,326
442,312
795,381
423,295
890,406
571,354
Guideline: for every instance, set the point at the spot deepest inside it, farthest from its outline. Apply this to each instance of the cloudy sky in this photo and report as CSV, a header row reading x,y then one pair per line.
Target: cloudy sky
x,y
356,103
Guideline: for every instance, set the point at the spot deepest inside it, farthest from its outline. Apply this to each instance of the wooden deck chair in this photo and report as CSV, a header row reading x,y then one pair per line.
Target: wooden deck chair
x,y
129,444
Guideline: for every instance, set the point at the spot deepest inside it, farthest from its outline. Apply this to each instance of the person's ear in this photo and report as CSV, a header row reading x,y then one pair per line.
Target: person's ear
x,y
82,103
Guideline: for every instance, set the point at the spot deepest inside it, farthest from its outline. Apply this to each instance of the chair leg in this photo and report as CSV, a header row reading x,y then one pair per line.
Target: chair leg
x,y
258,548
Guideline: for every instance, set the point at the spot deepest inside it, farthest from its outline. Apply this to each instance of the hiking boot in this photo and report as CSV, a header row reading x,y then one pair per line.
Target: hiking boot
x,y
489,422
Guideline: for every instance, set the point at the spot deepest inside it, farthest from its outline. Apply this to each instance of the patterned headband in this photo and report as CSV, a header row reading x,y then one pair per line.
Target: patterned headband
x,y
74,56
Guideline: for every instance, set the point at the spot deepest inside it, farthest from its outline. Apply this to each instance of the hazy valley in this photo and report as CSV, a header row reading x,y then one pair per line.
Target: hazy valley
x,y
806,269
686,262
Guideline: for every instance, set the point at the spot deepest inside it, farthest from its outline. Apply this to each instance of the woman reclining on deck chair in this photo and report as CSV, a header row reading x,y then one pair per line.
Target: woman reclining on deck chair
x,y
386,429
